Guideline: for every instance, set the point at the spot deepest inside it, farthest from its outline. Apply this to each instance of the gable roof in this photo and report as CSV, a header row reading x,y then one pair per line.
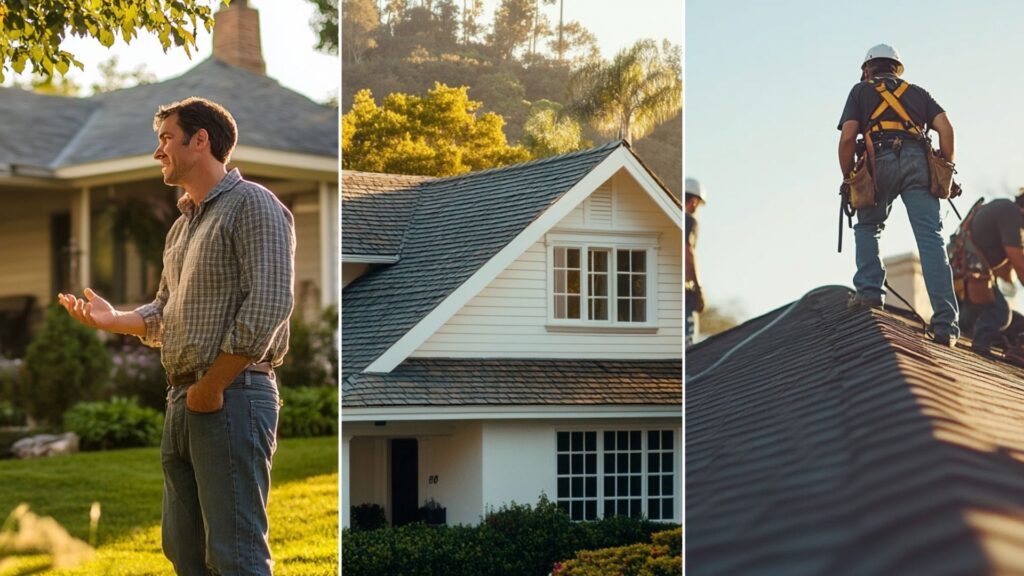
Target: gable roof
x,y
377,210
520,382
457,225
53,132
844,441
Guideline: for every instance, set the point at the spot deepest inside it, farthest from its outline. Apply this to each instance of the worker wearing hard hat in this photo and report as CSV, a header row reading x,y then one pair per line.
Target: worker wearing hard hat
x,y
900,168
695,197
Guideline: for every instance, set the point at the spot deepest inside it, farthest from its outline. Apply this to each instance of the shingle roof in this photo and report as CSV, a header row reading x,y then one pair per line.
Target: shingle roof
x,y
844,442
457,225
376,209
476,382
54,132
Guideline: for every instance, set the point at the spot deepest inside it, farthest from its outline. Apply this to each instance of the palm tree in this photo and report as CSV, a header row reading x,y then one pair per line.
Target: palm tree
x,y
639,89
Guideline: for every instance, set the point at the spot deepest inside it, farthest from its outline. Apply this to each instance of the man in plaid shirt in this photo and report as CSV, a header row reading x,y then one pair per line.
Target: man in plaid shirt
x,y
220,318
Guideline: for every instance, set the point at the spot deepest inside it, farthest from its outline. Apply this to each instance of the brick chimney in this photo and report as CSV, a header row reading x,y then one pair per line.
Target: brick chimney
x,y
236,37
904,274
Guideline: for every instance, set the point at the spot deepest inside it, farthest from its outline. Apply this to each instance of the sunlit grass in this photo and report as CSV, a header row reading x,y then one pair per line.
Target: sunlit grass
x,y
128,485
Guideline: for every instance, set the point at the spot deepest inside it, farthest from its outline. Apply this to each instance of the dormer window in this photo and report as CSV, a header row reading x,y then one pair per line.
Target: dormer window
x,y
601,280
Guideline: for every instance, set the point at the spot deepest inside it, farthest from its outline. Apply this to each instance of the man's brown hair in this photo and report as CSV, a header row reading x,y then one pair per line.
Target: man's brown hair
x,y
199,113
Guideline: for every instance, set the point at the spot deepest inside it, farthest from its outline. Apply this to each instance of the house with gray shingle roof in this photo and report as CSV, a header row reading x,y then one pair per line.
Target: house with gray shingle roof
x,y
85,201
824,440
510,333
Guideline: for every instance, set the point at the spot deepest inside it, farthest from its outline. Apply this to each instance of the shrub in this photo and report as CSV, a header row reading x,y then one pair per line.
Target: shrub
x,y
519,540
368,517
138,373
119,423
11,415
65,364
662,558
308,411
312,358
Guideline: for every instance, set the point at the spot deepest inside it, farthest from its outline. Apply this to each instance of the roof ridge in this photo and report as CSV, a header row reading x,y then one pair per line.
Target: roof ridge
x,y
536,162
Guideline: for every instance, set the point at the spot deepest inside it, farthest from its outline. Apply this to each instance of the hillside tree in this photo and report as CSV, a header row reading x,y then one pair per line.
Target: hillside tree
x,y
32,33
574,43
513,24
549,132
359,22
472,11
628,97
434,135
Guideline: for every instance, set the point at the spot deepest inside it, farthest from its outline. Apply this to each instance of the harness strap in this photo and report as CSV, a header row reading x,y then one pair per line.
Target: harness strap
x,y
892,100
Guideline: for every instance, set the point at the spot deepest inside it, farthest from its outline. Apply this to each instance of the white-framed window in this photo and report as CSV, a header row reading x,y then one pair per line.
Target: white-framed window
x,y
602,473
602,280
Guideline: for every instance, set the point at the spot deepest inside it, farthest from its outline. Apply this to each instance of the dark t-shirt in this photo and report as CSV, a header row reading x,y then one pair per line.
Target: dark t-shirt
x,y
691,230
863,100
997,224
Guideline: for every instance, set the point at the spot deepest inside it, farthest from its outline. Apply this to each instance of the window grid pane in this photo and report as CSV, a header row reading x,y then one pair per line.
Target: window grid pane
x,y
625,490
597,284
631,281
660,476
566,289
577,474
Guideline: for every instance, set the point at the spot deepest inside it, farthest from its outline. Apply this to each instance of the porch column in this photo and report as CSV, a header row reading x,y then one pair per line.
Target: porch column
x,y
328,246
346,485
81,233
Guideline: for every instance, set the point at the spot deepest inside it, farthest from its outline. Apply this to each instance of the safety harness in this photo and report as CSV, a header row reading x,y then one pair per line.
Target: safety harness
x,y
972,274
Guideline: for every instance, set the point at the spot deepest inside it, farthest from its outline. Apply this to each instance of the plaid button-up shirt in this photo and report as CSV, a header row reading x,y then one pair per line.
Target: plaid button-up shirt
x,y
227,282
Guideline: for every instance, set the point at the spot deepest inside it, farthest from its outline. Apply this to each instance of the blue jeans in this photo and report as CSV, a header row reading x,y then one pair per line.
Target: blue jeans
x,y
991,320
904,173
217,480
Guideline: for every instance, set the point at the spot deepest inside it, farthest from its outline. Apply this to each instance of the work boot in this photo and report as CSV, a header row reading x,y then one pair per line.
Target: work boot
x,y
947,340
860,301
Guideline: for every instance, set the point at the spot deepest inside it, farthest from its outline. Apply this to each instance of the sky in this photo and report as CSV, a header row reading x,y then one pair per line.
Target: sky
x,y
765,86
288,50
616,24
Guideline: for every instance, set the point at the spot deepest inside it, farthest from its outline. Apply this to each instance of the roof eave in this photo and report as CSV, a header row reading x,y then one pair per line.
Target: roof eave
x,y
509,412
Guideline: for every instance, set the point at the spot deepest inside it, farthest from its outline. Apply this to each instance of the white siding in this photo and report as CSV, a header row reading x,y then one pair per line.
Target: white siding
x,y
508,318
26,249
455,463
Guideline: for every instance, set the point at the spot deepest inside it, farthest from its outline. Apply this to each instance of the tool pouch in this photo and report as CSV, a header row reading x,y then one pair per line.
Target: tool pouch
x,y
979,288
941,173
862,185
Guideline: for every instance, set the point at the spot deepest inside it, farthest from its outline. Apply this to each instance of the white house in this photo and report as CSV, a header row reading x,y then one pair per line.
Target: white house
x,y
80,186
513,332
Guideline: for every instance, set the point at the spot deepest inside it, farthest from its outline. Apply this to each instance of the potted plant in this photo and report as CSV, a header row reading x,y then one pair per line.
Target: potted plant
x,y
432,513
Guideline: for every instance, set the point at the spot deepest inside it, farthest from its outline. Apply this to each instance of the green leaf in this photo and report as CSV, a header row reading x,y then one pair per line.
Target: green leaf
x,y
62,67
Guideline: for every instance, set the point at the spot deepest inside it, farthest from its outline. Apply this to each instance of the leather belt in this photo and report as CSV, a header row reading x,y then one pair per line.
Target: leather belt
x,y
188,378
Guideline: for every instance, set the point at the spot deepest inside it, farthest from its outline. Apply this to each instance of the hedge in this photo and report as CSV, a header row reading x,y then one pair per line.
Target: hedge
x,y
516,540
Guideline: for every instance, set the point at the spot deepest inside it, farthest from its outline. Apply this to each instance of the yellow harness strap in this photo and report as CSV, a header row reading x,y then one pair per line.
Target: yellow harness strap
x,y
891,100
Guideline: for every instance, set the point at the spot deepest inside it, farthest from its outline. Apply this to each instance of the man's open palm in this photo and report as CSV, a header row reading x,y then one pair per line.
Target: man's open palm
x,y
91,311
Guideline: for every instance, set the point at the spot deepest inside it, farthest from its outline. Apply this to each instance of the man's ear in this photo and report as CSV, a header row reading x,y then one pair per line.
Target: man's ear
x,y
202,138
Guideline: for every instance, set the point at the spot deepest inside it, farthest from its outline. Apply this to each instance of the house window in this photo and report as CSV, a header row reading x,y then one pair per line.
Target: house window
x,y
635,475
601,284
577,474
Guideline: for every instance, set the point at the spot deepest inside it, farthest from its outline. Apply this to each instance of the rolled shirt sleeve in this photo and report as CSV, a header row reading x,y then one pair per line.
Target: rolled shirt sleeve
x,y
264,242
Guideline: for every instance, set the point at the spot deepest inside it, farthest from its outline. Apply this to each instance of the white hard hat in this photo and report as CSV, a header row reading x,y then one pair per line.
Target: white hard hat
x,y
694,188
884,51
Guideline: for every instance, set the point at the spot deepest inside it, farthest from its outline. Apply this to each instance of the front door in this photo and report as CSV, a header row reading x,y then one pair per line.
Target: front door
x,y
404,486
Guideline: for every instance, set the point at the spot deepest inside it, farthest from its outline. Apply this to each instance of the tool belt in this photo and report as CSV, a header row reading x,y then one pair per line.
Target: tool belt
x,y
189,378
973,281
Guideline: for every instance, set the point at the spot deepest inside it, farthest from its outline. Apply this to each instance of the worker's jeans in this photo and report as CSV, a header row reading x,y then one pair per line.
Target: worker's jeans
x,y
217,480
905,173
992,320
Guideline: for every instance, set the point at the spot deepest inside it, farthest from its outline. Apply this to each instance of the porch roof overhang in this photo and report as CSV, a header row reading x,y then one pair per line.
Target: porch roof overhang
x,y
525,412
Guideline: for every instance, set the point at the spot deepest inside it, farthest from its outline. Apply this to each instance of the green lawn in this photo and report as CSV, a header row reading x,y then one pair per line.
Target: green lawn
x,y
128,486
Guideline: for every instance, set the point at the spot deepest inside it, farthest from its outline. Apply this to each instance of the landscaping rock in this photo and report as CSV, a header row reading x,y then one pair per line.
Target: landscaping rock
x,y
45,445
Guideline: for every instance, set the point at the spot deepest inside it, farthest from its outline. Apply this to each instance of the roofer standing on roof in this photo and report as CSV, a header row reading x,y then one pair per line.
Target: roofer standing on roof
x,y
987,245
220,318
900,169
695,197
